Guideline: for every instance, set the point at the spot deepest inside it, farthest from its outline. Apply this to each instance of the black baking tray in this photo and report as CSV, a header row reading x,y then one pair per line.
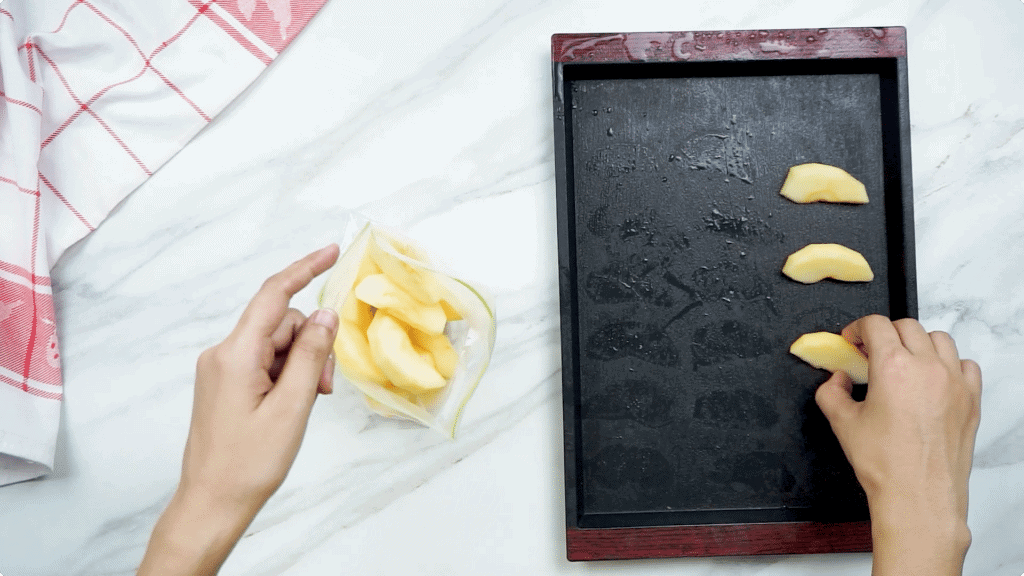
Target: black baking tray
x,y
682,404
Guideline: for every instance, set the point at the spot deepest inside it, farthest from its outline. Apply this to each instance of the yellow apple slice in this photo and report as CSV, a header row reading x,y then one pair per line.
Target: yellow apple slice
x,y
445,358
357,312
396,357
352,352
807,183
401,392
428,399
450,312
366,268
406,249
833,353
340,280
817,261
417,281
379,291
378,407
385,410
426,356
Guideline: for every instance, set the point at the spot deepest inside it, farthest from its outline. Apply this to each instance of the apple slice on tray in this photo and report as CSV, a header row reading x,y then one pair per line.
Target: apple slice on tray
x,y
413,339
813,182
816,262
831,352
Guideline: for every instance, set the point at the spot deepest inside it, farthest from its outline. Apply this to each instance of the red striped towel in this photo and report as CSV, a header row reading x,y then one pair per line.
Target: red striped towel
x,y
94,96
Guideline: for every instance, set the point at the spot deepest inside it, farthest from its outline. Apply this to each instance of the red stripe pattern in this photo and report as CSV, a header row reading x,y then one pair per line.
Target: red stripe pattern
x,y
27,317
21,103
232,30
14,270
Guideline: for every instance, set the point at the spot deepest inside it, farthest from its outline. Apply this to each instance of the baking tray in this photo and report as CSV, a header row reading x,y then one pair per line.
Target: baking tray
x,y
689,428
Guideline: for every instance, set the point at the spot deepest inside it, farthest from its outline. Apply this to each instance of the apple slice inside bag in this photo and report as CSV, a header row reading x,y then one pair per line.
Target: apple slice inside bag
x,y
436,327
379,291
395,355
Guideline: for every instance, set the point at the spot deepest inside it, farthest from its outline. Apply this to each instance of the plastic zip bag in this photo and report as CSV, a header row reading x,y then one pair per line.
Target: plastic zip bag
x,y
472,336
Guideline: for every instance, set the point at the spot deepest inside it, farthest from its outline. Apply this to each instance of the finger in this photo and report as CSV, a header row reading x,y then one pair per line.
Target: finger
x,y
327,377
296,388
270,304
914,337
835,400
972,374
874,333
285,332
945,347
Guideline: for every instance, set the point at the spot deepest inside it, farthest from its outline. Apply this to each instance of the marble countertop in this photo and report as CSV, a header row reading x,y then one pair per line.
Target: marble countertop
x,y
436,118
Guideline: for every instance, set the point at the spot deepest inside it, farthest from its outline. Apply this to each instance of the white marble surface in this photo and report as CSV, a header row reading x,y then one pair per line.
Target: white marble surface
x,y
436,118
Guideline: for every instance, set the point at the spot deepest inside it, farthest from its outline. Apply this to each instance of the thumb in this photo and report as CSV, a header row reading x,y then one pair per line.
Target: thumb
x,y
835,399
297,384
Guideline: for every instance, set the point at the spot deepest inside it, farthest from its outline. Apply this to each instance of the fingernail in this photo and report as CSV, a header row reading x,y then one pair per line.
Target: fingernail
x,y
325,317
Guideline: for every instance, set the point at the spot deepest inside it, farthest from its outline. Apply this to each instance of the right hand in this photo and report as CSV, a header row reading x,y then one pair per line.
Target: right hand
x,y
911,441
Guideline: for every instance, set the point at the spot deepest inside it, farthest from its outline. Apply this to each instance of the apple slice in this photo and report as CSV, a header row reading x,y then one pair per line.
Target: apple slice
x,y
833,353
807,183
385,410
366,268
450,313
440,348
396,357
406,249
378,407
352,352
379,291
417,281
817,261
426,356
401,392
357,312
353,309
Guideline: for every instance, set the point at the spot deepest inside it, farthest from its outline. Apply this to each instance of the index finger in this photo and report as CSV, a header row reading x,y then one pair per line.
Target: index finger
x,y
875,332
270,304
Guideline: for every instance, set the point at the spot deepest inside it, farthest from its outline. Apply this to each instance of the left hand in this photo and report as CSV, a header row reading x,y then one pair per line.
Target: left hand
x,y
255,391
253,396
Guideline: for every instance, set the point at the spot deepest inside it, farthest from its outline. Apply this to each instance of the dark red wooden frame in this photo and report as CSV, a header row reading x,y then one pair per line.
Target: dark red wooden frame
x,y
705,46
717,540
730,45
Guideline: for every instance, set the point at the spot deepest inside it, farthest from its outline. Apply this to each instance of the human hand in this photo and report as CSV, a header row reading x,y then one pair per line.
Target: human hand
x,y
255,391
253,396
911,441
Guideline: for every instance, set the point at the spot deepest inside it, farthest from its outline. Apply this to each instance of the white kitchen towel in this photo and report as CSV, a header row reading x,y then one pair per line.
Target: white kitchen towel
x,y
94,96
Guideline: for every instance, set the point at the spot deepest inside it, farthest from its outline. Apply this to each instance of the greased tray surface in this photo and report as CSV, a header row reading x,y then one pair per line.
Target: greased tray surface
x,y
683,405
